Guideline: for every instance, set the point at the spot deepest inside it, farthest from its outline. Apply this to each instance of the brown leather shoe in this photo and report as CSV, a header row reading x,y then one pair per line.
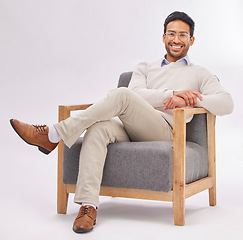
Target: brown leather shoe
x,y
36,135
85,220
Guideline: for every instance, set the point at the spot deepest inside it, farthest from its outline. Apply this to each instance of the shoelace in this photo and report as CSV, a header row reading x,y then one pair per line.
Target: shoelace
x,y
85,211
40,128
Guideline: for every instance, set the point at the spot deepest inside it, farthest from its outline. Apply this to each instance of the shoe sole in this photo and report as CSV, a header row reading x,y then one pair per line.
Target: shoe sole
x,y
43,150
84,230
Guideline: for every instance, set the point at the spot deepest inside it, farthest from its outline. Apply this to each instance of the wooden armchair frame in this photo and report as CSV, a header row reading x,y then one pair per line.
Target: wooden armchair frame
x,y
180,191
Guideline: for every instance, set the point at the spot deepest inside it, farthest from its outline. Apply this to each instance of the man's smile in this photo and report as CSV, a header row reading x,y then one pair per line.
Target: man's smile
x,y
176,46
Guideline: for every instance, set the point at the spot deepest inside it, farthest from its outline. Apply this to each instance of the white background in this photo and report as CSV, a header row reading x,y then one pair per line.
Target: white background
x,y
56,52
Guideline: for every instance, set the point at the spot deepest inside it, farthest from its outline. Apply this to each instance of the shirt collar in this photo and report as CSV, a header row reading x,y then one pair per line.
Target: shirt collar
x,y
186,59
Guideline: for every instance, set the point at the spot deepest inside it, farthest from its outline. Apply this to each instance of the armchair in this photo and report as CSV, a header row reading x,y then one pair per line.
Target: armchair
x,y
163,170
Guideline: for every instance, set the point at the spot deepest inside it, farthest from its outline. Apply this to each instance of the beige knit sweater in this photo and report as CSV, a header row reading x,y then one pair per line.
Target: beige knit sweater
x,y
155,84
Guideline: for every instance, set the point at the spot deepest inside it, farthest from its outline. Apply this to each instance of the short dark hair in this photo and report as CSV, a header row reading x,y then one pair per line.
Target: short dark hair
x,y
180,16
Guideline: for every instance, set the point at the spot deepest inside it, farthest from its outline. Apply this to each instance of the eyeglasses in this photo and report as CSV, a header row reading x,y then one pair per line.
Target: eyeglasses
x,y
183,36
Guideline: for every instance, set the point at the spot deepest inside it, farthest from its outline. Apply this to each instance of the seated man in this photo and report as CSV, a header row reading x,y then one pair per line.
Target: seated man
x,y
144,108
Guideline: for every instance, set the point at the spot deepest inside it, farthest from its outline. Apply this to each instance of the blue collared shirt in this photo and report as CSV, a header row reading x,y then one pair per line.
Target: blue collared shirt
x,y
186,58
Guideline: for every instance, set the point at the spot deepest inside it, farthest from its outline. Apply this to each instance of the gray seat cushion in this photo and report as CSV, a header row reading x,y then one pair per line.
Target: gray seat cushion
x,y
139,165
145,165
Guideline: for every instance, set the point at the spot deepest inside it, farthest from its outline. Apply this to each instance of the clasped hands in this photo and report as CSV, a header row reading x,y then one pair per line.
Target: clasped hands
x,y
182,99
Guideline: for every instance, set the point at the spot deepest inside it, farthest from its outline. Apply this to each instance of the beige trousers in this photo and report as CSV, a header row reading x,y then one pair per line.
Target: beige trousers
x,y
139,121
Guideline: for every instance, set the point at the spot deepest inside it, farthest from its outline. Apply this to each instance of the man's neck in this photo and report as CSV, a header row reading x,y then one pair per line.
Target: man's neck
x,y
185,58
170,59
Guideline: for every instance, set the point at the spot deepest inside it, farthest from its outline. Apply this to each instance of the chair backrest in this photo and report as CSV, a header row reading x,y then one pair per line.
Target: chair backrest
x,y
124,79
196,130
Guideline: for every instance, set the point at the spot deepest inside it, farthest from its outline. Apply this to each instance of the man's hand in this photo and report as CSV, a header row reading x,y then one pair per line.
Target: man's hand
x,y
189,96
174,102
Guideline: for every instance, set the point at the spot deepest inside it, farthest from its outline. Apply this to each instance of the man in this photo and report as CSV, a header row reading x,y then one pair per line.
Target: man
x,y
145,111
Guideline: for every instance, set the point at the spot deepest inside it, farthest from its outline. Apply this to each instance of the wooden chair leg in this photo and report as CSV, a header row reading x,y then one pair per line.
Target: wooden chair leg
x,y
62,194
212,196
179,209
62,199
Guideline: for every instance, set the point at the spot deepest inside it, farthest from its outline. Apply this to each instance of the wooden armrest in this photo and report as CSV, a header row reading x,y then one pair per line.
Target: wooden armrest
x,y
194,110
64,110
179,156
64,113
76,107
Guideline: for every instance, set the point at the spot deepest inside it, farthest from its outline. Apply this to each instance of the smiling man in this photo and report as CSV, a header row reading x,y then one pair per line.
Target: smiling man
x,y
177,39
145,111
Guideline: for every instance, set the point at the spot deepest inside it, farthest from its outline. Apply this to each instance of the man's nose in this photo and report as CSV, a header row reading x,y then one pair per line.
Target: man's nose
x,y
176,39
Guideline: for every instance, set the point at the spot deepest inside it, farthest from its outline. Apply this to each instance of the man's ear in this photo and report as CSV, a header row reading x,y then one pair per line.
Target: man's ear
x,y
163,38
192,39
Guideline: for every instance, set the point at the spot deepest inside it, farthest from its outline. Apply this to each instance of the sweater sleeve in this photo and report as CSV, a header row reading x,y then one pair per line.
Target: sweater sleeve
x,y
138,84
215,98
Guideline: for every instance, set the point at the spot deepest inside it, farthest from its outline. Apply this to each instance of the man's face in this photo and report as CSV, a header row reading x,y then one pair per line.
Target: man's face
x,y
177,48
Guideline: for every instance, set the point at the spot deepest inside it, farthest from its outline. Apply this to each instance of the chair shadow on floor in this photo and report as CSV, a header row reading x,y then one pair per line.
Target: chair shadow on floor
x,y
141,211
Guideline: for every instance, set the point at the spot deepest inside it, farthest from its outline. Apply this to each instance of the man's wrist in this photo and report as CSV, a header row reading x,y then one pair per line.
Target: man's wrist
x,y
167,94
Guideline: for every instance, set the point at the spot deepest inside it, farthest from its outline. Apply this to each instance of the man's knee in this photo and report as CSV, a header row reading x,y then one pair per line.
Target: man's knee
x,y
121,92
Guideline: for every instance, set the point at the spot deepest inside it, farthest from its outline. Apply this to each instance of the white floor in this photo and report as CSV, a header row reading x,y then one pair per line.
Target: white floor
x,y
28,201
32,218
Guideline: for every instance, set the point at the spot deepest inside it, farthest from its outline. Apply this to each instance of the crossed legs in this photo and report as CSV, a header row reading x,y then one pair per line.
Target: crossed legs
x,y
139,122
